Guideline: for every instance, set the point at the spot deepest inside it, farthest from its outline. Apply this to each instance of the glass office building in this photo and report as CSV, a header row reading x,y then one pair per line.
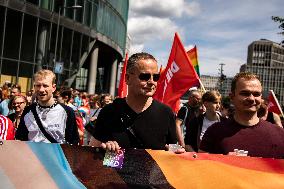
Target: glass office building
x,y
82,41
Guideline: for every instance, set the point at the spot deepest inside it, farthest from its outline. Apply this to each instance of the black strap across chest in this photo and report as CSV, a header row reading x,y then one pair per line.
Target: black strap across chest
x,y
47,136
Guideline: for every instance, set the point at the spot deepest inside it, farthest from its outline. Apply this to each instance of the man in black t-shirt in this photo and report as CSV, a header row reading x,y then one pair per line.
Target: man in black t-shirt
x,y
188,112
138,121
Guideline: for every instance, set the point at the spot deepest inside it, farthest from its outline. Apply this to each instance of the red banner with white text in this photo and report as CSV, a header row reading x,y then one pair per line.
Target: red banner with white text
x,y
177,78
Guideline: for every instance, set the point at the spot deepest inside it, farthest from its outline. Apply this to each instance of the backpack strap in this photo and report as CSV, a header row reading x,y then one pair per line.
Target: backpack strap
x,y
186,112
95,112
128,122
47,136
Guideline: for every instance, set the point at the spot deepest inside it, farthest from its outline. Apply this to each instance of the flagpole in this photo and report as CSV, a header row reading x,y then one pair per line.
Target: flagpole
x,y
201,85
276,100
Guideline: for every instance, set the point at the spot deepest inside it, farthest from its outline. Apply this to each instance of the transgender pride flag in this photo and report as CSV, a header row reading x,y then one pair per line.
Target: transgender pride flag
x,y
27,165
31,165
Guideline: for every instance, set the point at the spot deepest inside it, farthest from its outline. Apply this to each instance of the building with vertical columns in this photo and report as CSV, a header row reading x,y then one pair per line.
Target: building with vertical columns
x,y
83,45
210,82
266,59
213,83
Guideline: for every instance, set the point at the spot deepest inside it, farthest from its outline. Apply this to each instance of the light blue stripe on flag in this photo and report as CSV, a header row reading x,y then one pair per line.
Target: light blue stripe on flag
x,y
5,182
55,162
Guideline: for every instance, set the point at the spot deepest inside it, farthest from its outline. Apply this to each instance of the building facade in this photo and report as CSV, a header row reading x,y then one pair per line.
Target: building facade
x,y
214,83
210,82
83,41
266,59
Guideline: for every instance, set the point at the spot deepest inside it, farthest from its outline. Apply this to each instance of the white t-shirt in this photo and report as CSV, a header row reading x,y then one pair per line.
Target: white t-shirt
x,y
206,123
54,122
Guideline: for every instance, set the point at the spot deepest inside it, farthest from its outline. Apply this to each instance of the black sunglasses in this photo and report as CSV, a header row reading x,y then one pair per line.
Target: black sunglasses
x,y
147,76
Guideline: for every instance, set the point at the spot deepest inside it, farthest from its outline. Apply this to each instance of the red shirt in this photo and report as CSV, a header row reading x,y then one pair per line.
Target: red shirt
x,y
7,130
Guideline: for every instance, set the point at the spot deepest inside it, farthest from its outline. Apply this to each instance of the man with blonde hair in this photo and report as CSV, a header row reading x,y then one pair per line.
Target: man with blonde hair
x,y
46,120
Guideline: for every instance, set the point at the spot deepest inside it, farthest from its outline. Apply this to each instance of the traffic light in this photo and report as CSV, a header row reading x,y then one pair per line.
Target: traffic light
x,y
223,77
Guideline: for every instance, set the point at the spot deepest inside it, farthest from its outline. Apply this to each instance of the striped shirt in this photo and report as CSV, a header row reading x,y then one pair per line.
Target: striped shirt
x,y
7,130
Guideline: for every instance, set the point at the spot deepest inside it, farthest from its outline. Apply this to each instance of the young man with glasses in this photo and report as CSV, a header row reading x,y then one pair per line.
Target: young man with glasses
x,y
46,120
245,131
137,121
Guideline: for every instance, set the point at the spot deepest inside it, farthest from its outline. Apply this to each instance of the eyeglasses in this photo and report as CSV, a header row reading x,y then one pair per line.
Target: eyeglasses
x,y
147,76
18,103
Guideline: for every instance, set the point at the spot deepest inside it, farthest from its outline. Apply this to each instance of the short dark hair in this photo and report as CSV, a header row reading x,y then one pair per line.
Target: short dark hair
x,y
245,75
66,93
16,86
192,92
132,61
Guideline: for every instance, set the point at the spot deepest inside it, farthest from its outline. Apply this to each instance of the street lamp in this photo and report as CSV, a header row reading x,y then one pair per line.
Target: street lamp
x,y
58,24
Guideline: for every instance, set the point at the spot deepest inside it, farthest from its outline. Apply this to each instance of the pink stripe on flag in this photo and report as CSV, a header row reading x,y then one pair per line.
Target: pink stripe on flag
x,y
22,167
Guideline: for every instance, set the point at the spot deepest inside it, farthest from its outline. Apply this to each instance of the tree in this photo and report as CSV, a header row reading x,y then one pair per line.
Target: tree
x,y
281,26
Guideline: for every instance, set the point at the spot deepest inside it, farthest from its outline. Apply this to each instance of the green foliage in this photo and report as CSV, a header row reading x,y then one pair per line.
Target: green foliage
x,y
281,26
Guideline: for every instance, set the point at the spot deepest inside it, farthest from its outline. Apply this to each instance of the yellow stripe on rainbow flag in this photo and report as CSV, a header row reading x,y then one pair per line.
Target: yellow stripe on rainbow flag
x,y
192,54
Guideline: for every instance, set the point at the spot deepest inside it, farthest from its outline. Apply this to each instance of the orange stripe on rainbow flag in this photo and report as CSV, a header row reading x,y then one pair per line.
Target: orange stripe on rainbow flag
x,y
192,54
219,171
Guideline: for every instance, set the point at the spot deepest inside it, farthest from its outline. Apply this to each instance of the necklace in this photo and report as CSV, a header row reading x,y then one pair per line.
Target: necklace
x,y
45,109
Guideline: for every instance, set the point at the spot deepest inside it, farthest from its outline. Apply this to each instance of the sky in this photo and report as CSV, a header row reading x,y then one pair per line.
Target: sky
x,y
221,29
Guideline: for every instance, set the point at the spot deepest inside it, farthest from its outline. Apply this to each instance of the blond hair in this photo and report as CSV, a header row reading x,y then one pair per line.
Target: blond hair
x,y
244,75
44,74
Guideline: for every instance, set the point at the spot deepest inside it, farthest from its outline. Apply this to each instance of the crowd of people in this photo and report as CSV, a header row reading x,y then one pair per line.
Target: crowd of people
x,y
206,123
46,114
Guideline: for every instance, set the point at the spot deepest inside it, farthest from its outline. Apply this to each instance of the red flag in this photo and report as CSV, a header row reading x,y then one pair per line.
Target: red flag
x,y
273,105
122,89
162,69
177,78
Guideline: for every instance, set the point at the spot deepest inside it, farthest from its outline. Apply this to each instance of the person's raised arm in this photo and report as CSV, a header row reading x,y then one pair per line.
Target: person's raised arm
x,y
179,132
277,120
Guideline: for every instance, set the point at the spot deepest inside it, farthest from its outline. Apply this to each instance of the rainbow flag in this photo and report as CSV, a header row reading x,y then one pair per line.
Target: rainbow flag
x,y
38,165
192,54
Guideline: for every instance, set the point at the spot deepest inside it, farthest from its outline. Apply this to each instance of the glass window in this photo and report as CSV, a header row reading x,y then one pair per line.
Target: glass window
x,y
69,12
9,67
66,47
28,38
79,12
94,16
26,70
76,50
2,17
13,33
85,44
88,12
33,1
43,52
